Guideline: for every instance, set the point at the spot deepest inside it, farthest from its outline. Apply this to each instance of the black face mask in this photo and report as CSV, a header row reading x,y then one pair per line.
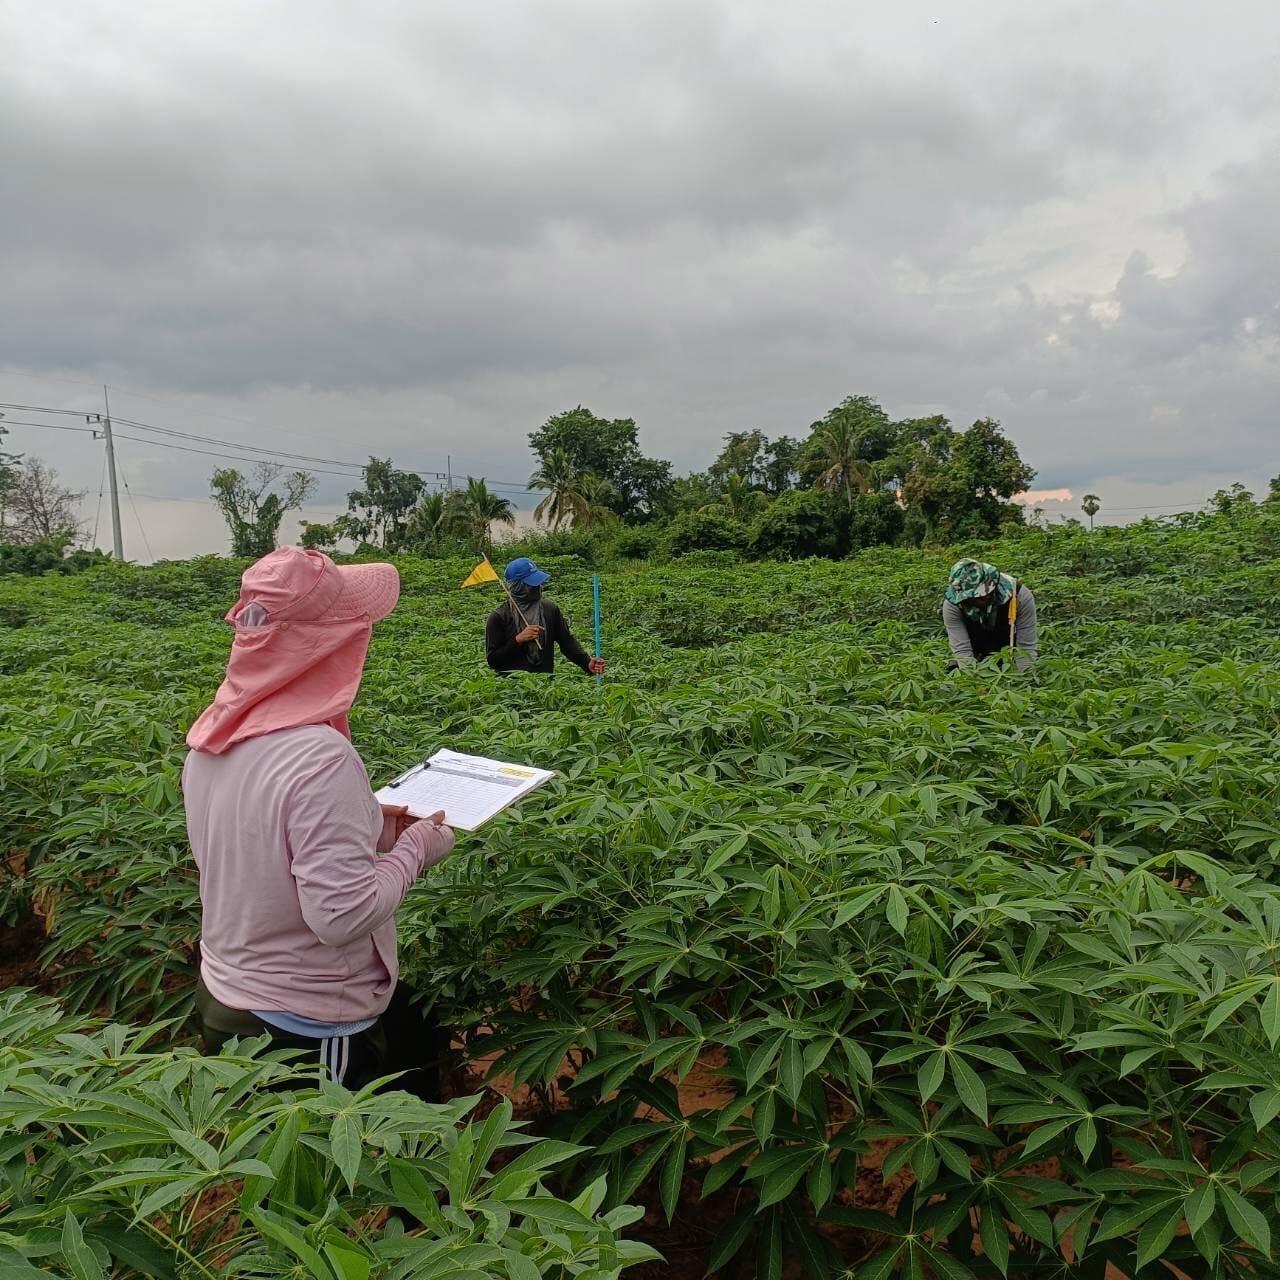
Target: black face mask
x,y
524,594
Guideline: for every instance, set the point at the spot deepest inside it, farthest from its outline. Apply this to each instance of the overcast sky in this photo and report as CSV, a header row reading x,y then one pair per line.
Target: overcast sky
x,y
419,229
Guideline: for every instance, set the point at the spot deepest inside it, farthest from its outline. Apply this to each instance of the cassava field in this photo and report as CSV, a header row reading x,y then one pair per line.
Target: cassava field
x,y
834,961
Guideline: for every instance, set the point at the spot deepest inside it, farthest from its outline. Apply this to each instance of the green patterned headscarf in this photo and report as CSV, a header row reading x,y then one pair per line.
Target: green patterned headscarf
x,y
978,588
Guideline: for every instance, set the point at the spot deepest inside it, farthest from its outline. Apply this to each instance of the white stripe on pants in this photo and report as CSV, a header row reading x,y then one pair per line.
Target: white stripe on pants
x,y
335,1056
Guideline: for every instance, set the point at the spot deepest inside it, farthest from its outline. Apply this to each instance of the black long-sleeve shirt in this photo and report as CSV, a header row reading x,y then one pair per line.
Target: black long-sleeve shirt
x,y
504,654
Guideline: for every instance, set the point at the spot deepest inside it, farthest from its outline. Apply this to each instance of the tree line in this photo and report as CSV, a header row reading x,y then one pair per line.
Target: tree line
x,y
856,478
40,526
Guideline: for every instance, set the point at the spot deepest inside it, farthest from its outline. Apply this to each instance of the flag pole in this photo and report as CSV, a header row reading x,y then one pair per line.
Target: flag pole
x,y
595,591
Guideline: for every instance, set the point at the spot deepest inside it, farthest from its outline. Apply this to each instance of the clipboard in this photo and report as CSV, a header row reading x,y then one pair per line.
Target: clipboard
x,y
471,790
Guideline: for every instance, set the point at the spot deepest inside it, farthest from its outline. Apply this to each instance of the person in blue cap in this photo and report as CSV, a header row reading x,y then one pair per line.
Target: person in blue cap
x,y
522,633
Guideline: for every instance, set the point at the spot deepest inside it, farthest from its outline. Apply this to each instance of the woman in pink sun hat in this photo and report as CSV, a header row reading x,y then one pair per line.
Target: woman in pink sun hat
x,y
298,933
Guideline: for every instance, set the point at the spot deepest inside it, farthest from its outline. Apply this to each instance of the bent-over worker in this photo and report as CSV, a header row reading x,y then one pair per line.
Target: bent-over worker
x,y
298,929
521,633
985,611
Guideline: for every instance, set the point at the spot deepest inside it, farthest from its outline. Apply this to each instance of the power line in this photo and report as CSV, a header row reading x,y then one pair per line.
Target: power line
x,y
228,417
155,497
275,454
235,457
145,540
282,454
102,480
235,444
271,455
36,408
164,444
209,453
204,413
1186,505
48,426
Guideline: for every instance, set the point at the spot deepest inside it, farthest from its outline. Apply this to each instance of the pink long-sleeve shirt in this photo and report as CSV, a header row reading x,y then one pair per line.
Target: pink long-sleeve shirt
x,y
298,908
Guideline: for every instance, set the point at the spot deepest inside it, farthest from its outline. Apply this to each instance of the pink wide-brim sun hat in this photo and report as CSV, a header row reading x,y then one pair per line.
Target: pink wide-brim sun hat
x,y
370,590
302,628
294,585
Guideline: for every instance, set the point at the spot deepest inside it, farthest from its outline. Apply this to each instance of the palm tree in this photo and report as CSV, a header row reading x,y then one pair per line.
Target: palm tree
x,y
1091,504
839,445
428,523
477,509
563,482
598,495
739,500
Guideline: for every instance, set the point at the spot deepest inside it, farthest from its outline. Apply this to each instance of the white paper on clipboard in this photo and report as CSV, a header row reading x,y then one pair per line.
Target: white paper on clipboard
x,y
470,789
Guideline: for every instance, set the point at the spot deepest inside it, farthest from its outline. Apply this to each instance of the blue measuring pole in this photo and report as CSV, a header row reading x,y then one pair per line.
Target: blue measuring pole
x,y
595,591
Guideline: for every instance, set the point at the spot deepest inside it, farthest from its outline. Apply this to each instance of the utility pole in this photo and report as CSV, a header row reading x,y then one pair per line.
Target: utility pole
x,y
117,541
448,464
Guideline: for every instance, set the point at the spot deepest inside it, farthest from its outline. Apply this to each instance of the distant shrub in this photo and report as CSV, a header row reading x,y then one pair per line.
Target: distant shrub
x,y
637,542
50,555
798,525
707,530
708,560
874,519
589,546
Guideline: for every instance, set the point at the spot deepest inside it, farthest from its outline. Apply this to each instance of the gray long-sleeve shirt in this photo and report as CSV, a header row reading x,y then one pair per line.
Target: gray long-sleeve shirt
x,y
1026,635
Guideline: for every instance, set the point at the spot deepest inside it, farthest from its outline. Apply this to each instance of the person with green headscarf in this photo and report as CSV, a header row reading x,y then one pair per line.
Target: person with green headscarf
x,y
985,611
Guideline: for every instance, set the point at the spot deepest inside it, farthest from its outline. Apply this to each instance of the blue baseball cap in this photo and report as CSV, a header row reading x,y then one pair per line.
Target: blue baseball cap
x,y
525,572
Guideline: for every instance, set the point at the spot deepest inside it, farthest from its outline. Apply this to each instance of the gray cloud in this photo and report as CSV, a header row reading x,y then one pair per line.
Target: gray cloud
x,y
421,230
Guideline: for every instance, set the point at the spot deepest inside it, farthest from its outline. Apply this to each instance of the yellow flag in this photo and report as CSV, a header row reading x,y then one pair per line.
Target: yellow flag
x,y
483,572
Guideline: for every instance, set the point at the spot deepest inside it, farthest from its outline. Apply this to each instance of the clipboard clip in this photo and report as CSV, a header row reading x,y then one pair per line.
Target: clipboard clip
x,y
421,767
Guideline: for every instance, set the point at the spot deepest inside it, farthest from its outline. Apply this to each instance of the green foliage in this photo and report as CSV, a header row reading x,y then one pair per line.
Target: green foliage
x,y
769,465
636,542
380,513
745,453
1237,500
738,500
393,513
782,465
317,536
690,493
591,473
710,529
573,497
1001,946
436,528
874,519
254,507
472,512
126,1161
587,545
47,555
843,449
607,449
961,483
801,523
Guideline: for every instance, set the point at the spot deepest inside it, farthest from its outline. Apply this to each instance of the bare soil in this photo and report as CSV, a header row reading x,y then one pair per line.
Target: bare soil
x,y
19,956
